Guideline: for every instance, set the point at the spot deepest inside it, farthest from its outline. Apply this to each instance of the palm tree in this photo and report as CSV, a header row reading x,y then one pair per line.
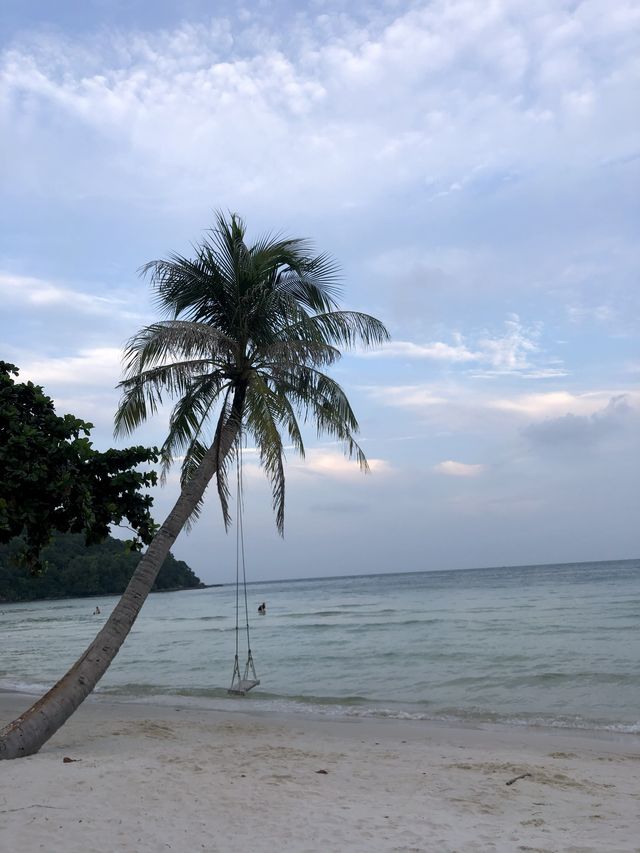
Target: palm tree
x,y
242,351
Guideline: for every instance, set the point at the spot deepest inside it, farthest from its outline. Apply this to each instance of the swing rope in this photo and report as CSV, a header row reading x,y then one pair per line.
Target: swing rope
x,y
240,558
241,684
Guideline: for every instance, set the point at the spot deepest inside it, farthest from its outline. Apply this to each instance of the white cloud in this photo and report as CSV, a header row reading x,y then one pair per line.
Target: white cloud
x,y
465,407
413,396
517,351
338,95
459,469
571,431
101,366
598,313
460,159
40,294
511,352
334,465
559,403
437,351
317,462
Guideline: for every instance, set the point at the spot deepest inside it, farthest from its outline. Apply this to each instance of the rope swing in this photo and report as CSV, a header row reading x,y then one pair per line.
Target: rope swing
x,y
241,683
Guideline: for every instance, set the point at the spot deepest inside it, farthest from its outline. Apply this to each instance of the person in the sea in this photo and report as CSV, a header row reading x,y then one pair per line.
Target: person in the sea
x,y
262,609
96,612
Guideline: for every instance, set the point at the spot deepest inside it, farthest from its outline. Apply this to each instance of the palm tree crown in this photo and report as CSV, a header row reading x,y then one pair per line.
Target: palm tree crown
x,y
249,332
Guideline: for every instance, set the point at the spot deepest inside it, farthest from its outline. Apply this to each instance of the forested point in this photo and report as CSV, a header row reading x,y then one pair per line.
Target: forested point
x,y
73,569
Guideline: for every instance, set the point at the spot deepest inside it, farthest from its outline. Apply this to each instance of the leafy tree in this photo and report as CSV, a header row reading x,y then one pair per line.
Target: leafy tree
x,y
51,478
248,334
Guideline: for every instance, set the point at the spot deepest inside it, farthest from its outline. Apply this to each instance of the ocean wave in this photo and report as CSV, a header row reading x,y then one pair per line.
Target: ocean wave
x,y
195,619
338,707
384,624
543,679
488,718
17,686
350,707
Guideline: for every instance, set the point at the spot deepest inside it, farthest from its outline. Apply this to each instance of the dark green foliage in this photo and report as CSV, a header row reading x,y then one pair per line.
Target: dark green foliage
x,y
75,569
51,478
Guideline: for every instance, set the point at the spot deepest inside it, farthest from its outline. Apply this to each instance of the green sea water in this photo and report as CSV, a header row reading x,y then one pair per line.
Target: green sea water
x,y
555,645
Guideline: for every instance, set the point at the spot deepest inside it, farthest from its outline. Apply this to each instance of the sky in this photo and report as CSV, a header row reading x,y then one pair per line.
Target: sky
x,y
473,167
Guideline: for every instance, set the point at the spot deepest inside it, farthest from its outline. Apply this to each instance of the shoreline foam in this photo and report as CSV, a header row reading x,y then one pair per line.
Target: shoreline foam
x,y
218,701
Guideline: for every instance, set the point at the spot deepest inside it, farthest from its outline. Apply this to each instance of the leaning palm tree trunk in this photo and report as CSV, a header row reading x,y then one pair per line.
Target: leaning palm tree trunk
x,y
253,324
25,735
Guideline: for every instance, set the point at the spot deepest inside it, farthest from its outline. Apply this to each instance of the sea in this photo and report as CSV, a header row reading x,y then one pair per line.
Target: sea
x,y
552,645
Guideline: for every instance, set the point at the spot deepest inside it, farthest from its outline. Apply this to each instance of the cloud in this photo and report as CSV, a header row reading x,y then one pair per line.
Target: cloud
x,y
410,396
466,407
317,462
510,353
334,465
559,403
41,294
437,351
571,430
459,469
84,384
101,366
602,313
494,172
515,352
333,91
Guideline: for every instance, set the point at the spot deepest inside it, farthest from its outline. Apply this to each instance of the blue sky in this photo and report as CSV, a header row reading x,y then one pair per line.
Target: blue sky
x,y
474,169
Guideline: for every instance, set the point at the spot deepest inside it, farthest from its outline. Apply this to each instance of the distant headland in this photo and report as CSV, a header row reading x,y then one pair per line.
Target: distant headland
x,y
74,570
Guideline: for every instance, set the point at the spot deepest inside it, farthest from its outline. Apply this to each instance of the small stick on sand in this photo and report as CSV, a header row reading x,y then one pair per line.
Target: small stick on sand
x,y
515,779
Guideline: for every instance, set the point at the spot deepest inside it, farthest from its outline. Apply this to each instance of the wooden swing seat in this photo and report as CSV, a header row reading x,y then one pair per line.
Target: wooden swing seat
x,y
242,683
243,686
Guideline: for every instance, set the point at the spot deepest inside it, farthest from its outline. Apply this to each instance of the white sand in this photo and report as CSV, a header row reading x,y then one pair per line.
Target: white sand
x,y
149,778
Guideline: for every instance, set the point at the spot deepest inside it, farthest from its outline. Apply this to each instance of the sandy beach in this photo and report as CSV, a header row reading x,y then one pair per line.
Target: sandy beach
x,y
156,778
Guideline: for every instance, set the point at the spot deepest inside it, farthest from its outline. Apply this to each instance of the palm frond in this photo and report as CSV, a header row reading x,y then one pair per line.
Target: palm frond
x,y
190,416
312,281
228,430
263,411
321,398
190,465
142,393
171,339
289,352
187,287
342,328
